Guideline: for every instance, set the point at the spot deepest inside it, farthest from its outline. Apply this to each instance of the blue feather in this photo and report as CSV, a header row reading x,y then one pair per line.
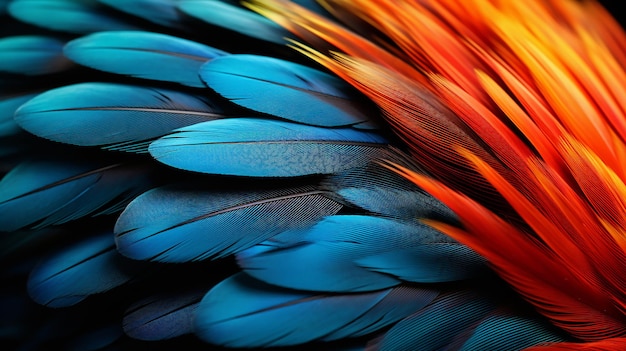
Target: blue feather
x,y
242,312
370,252
375,188
163,12
177,224
436,326
507,332
41,193
237,19
118,116
8,106
284,89
89,267
265,148
143,55
162,317
32,55
74,16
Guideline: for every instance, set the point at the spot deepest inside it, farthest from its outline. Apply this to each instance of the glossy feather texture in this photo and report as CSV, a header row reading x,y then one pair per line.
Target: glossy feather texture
x,y
538,123
311,175
117,116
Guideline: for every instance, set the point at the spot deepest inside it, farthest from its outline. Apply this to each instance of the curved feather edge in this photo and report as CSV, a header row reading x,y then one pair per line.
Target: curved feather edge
x,y
265,148
233,18
115,116
40,193
377,189
80,17
285,89
162,12
143,55
32,55
243,312
610,344
435,326
71,275
502,331
370,252
162,317
8,106
182,223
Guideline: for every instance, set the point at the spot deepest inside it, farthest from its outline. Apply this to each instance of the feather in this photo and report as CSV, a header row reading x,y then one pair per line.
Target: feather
x,y
233,18
88,267
435,326
370,252
39,193
377,189
284,89
8,106
610,344
163,12
242,312
143,55
122,117
177,224
162,317
32,55
73,16
506,332
265,148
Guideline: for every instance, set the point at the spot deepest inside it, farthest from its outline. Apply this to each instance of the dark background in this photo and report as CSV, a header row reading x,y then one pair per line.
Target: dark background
x,y
616,7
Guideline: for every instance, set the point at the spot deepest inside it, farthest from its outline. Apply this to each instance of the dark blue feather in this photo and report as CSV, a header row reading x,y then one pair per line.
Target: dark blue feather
x,y
184,224
74,16
163,12
265,148
370,252
237,19
508,332
436,326
75,272
285,89
377,189
41,193
32,55
162,317
143,55
242,312
118,116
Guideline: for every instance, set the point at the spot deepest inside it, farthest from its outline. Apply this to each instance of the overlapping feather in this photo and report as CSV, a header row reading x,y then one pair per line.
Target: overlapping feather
x,y
265,148
117,116
143,55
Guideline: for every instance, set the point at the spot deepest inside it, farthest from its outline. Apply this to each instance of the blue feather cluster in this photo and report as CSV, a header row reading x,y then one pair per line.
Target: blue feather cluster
x,y
173,177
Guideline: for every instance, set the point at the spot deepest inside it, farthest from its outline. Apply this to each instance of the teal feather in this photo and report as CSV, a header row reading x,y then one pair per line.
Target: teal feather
x,y
88,267
371,252
143,55
73,16
265,148
242,312
286,90
123,117
243,21
178,224
32,55
40,193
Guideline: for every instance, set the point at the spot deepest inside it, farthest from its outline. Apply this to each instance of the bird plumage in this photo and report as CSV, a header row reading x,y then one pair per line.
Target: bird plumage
x,y
338,175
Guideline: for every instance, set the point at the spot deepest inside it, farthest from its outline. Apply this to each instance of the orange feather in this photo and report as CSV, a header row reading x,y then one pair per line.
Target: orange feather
x,y
516,110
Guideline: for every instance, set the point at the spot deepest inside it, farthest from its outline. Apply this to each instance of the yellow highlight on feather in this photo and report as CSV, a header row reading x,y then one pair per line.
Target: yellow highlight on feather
x,y
521,103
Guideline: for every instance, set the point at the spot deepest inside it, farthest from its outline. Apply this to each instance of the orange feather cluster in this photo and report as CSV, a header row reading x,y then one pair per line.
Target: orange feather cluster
x,y
517,110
